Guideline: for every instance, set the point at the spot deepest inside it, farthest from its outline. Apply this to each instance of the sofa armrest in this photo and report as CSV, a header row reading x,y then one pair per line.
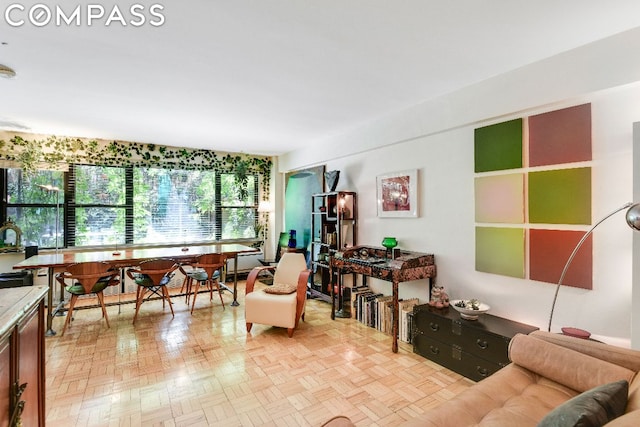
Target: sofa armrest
x,y
626,357
560,364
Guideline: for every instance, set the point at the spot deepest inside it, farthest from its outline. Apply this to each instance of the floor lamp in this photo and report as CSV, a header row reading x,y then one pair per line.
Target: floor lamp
x,y
52,188
633,220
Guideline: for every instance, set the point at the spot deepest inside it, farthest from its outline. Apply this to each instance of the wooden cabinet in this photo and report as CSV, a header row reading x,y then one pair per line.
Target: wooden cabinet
x,y
333,227
473,348
22,380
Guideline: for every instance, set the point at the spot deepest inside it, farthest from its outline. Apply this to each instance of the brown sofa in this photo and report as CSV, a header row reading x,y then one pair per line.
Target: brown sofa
x,y
550,376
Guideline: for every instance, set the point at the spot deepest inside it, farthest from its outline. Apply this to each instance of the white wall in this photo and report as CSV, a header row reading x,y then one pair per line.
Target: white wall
x,y
437,138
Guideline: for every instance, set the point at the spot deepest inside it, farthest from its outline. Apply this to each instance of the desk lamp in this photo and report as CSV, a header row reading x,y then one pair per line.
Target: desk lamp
x,y
633,220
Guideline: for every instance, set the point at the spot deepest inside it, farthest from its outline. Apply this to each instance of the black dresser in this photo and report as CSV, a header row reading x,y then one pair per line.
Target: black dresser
x,y
473,348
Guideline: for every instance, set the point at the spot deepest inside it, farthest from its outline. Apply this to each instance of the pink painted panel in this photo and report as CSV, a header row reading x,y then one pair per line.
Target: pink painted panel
x,y
561,136
500,199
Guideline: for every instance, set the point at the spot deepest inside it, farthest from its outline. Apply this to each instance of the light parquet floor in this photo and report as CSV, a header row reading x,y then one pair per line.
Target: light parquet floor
x,y
205,370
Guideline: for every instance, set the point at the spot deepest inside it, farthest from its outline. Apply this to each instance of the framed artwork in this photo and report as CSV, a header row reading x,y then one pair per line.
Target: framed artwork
x,y
398,194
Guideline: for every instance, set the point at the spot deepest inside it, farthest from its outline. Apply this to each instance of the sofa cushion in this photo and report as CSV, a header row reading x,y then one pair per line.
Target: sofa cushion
x,y
513,396
269,309
559,364
594,407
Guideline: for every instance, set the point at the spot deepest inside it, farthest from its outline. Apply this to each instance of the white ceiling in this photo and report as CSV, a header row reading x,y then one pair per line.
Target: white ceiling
x,y
270,76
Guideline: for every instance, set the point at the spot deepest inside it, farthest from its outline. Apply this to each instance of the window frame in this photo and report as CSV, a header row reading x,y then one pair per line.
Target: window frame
x,y
68,206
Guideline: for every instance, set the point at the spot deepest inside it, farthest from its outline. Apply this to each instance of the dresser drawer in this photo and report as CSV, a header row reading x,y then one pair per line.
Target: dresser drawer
x,y
432,325
483,344
454,358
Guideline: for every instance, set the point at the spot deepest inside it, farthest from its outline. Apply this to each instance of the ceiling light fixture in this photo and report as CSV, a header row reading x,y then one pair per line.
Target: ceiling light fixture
x,y
7,72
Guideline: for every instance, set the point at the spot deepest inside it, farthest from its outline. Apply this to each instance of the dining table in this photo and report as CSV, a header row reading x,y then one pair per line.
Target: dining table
x,y
128,257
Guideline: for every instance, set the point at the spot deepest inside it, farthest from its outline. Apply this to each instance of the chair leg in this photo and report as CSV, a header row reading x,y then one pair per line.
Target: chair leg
x,y
290,332
220,293
165,293
100,296
189,289
72,303
139,297
210,287
195,294
185,289
249,326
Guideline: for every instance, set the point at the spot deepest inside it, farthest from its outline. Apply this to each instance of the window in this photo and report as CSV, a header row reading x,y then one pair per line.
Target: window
x,y
238,216
117,205
98,215
34,203
174,206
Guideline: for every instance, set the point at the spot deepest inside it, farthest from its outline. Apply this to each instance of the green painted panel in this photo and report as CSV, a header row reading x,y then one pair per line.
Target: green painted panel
x,y
500,251
499,146
560,196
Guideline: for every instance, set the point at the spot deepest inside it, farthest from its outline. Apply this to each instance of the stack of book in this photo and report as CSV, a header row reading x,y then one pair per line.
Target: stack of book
x,y
376,310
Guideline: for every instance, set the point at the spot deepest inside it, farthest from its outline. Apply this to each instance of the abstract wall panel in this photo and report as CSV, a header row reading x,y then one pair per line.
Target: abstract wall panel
x,y
549,251
499,146
561,136
500,198
514,196
500,251
561,196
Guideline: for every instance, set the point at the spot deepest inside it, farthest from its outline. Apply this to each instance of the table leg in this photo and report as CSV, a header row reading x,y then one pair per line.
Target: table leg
x,y
394,332
235,302
342,313
121,289
333,300
235,281
50,332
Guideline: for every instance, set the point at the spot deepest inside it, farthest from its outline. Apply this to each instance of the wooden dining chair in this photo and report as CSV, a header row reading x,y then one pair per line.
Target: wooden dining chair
x,y
152,277
205,271
87,278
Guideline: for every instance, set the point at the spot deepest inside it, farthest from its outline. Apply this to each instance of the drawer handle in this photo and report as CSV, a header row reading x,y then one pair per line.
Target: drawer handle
x,y
434,350
483,372
482,344
434,326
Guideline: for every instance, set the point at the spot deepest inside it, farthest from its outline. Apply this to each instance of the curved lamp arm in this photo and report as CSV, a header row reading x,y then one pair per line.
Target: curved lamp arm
x,y
633,220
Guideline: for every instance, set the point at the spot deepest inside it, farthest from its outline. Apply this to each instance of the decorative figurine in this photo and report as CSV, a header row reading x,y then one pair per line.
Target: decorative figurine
x,y
293,242
439,298
331,178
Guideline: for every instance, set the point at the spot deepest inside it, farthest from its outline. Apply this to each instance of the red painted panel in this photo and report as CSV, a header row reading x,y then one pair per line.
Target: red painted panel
x,y
549,252
561,136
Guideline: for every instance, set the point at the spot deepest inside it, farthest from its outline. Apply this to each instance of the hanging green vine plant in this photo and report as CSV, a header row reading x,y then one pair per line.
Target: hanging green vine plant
x,y
242,179
30,156
54,151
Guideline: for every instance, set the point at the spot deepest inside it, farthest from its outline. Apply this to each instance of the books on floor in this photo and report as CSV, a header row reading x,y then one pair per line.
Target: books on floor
x,y
376,310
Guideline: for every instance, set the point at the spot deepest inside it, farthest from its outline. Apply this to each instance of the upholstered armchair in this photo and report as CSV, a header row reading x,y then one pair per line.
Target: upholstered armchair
x,y
281,305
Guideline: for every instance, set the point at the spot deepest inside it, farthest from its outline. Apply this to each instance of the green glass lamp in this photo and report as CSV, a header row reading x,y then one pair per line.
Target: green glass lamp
x,y
389,243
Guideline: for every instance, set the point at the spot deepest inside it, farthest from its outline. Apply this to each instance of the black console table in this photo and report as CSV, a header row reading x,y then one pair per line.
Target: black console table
x,y
473,348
